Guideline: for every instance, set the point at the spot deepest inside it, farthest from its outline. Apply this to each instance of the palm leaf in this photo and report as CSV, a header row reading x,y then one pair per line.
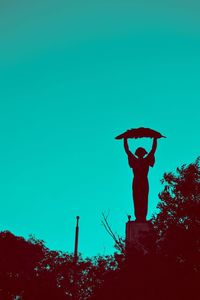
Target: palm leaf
x,y
140,133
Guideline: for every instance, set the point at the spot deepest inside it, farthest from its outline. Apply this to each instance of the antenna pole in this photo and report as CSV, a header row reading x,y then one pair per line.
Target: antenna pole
x,y
74,291
76,240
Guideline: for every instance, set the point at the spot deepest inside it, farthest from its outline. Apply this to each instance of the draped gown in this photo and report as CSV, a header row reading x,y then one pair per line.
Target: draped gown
x,y
140,186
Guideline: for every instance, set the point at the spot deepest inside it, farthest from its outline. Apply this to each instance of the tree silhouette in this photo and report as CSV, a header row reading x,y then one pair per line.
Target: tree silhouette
x,y
170,269
177,225
30,271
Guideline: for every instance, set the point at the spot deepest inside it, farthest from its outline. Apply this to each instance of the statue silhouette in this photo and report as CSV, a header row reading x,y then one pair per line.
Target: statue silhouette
x,y
140,163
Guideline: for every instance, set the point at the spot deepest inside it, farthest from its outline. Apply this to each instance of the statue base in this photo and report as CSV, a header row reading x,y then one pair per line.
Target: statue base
x,y
135,233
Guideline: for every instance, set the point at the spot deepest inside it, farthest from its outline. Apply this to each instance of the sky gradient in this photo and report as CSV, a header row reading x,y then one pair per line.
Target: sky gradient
x,y
73,76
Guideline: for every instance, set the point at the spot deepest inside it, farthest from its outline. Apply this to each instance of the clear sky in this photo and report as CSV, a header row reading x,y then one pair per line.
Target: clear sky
x,y
73,75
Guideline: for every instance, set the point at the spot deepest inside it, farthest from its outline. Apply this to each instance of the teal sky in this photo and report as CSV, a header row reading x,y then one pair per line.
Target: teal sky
x,y
73,75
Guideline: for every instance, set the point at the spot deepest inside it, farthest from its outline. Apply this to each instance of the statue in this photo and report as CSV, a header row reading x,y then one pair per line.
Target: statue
x,y
140,163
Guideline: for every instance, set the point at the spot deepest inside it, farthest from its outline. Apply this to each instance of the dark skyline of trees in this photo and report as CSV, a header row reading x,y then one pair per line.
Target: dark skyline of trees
x,y
169,270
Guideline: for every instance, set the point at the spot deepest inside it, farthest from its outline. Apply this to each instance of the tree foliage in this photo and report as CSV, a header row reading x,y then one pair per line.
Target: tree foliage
x,y
169,267
29,271
177,224
168,270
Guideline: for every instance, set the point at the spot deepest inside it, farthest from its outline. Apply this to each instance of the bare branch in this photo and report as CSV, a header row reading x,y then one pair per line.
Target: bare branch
x,y
119,244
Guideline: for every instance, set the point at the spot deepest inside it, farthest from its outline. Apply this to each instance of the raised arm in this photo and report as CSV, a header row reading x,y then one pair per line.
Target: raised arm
x,y
128,152
131,156
126,147
150,158
154,146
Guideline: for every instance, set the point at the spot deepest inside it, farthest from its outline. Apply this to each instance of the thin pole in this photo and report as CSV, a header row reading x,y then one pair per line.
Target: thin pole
x,y
74,293
76,240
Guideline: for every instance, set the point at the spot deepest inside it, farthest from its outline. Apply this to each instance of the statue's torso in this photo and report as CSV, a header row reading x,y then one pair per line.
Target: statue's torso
x,y
140,169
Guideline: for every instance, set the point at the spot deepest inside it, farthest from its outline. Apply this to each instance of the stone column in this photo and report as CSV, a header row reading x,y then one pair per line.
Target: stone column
x,y
135,232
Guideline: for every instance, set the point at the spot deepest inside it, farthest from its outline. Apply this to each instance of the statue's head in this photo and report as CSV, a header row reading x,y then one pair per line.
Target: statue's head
x,y
140,152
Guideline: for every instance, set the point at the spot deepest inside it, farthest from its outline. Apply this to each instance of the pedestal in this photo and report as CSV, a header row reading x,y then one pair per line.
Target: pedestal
x,y
135,233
